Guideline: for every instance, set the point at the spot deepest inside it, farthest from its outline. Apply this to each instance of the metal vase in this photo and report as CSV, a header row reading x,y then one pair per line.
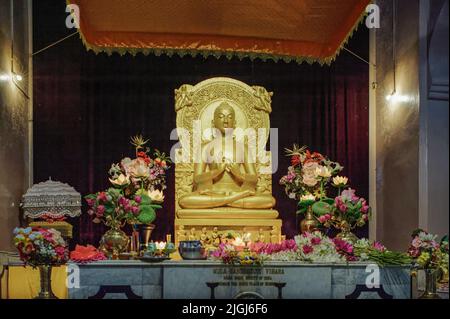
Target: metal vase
x,y
309,223
145,232
46,292
114,242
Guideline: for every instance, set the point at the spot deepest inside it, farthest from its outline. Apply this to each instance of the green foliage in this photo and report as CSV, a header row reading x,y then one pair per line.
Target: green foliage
x,y
303,206
147,214
323,207
384,258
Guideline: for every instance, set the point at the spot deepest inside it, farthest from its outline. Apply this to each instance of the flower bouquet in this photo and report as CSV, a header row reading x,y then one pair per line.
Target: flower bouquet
x,y
347,212
307,182
42,248
428,254
136,194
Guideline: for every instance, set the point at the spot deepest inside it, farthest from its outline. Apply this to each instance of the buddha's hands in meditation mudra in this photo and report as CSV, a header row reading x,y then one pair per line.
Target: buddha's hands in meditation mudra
x,y
226,181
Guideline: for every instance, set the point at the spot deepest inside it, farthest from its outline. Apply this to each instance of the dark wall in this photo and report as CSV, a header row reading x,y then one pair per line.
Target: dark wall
x,y
13,117
87,106
397,137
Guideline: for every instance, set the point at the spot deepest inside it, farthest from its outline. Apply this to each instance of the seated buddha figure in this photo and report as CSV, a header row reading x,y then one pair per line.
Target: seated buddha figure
x,y
225,178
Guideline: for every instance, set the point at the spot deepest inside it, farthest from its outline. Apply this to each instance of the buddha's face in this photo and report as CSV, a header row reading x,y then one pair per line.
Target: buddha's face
x,y
224,117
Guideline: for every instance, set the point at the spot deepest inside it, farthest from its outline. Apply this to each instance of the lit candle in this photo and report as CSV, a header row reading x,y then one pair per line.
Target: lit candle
x,y
160,245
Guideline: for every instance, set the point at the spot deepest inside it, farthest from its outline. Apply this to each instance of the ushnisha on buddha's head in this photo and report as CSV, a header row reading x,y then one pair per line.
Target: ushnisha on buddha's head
x,y
224,117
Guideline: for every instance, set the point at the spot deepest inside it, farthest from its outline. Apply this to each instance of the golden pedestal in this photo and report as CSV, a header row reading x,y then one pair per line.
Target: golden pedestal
x,y
213,226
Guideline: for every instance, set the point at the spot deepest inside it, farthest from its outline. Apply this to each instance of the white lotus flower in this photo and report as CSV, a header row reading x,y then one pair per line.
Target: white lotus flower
x,y
156,195
121,180
340,181
323,171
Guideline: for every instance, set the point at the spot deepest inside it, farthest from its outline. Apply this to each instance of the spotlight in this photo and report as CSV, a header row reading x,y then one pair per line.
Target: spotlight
x,y
394,97
391,96
5,77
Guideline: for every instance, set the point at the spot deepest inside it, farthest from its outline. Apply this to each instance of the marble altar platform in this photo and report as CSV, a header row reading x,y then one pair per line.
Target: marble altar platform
x,y
210,279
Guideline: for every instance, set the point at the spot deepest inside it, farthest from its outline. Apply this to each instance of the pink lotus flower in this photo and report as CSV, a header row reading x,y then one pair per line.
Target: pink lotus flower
x,y
137,199
135,210
324,218
100,210
342,208
90,202
378,246
123,201
365,207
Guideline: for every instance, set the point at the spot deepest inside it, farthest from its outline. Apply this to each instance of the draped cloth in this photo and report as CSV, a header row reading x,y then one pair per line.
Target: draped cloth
x,y
299,30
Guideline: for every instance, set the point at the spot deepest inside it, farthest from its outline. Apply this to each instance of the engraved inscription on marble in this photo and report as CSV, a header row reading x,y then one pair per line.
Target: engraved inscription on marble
x,y
248,277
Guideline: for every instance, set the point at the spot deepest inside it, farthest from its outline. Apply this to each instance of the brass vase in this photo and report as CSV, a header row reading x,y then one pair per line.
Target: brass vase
x,y
309,223
430,284
145,232
114,242
346,233
45,272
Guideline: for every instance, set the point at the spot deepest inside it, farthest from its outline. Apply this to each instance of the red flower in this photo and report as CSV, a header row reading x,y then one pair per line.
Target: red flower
x,y
312,157
295,160
307,249
144,156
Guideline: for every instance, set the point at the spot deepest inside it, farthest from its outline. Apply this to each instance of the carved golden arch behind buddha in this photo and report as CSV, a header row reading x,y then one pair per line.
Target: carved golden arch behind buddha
x,y
252,106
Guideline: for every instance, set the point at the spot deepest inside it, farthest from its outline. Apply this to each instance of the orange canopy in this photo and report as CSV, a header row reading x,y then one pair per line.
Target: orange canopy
x,y
311,30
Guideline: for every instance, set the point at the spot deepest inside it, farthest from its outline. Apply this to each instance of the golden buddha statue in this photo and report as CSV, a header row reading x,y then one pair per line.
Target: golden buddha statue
x,y
225,181
226,189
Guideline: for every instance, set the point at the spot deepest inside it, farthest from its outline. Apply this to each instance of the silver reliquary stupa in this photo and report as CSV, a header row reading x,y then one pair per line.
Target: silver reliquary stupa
x,y
52,201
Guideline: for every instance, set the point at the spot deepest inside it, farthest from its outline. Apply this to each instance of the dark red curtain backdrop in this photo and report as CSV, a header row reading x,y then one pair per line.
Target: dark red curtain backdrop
x,y
86,107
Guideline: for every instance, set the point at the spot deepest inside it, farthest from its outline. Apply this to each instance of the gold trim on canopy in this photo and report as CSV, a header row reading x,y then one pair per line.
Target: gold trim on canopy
x,y
302,30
